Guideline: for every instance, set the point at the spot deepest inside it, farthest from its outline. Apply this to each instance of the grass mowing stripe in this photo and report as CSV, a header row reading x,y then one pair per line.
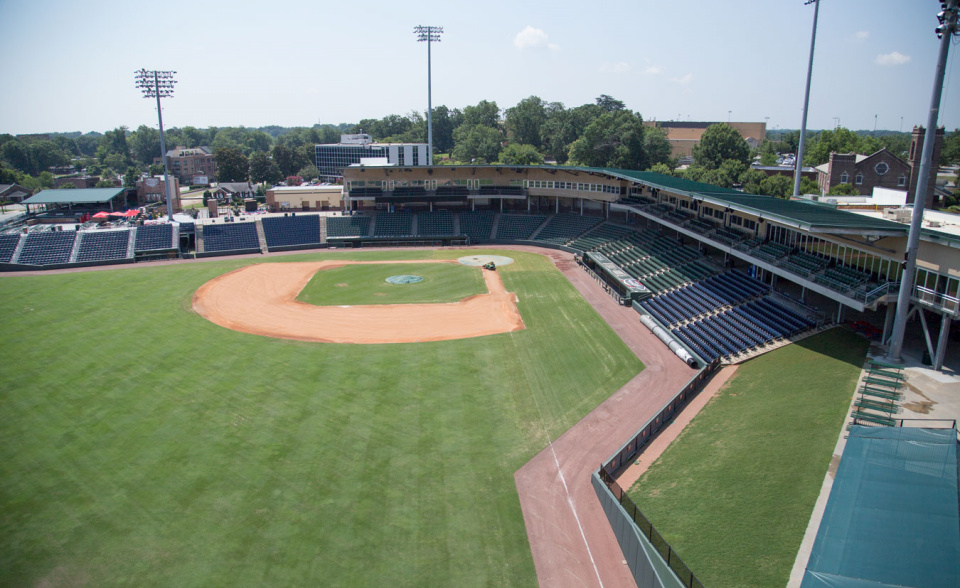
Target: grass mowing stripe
x,y
366,284
140,443
733,494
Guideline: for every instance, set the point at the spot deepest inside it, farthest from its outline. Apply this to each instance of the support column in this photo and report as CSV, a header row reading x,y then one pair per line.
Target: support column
x,y
942,342
839,313
888,322
558,206
581,207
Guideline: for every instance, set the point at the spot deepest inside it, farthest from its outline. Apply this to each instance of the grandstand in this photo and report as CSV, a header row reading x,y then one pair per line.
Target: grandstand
x,y
291,232
231,238
430,224
156,238
518,227
477,225
47,248
103,245
8,245
393,224
348,226
565,227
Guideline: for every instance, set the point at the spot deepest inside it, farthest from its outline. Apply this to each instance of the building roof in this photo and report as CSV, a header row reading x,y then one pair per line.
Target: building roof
x,y
184,151
892,516
75,196
235,186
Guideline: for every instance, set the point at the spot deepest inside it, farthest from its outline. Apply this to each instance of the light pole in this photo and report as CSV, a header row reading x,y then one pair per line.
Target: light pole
x,y
429,34
806,102
945,32
159,84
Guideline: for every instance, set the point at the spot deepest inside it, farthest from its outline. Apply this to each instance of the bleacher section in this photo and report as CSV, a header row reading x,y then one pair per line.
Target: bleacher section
x,y
503,190
238,236
430,224
565,227
103,245
291,231
155,238
804,264
393,224
516,227
477,225
348,226
842,278
658,263
8,244
47,248
600,235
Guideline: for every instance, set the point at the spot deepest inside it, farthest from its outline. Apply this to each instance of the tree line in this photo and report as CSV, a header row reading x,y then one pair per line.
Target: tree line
x,y
603,133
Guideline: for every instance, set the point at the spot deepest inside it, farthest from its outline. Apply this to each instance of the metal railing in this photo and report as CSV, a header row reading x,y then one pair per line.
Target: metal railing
x,y
636,446
945,302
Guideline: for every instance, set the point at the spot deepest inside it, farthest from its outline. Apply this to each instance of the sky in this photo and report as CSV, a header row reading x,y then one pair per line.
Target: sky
x,y
69,66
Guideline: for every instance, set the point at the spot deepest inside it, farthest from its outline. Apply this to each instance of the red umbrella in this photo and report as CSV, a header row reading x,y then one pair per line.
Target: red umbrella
x,y
101,214
131,213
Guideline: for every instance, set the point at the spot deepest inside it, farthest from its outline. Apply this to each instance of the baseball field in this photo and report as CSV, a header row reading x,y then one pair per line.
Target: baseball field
x,y
142,444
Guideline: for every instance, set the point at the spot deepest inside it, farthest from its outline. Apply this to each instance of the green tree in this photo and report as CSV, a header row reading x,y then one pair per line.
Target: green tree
x,y
284,158
476,143
808,186
515,154
17,155
614,139
232,166
191,137
768,153
445,122
145,144
256,141
130,177
564,126
656,145
156,169
115,143
46,154
610,104
524,121
839,140
751,179
844,190
950,152
309,172
263,169
778,186
106,182
88,143
718,143
484,113
45,179
661,168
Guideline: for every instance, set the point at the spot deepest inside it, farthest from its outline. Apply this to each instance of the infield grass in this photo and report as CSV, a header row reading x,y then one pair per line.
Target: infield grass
x,y
734,493
366,284
143,445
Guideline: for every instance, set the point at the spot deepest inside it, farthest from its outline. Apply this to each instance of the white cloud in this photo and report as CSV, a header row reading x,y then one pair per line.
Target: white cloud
x,y
617,68
895,58
530,37
653,70
861,36
683,80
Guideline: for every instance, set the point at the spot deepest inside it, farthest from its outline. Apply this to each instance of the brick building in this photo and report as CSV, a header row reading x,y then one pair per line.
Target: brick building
x,y
684,135
882,169
197,165
153,190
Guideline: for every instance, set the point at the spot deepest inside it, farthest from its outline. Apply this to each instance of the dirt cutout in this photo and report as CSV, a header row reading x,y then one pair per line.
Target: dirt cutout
x,y
261,300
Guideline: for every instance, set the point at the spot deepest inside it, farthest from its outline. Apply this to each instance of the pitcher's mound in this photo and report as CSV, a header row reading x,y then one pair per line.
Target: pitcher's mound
x,y
482,259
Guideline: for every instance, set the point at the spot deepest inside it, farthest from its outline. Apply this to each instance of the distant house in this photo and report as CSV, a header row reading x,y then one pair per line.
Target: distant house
x,y
882,169
231,190
13,193
80,182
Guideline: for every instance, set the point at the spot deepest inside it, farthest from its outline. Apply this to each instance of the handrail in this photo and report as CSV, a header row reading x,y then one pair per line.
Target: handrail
x,y
951,304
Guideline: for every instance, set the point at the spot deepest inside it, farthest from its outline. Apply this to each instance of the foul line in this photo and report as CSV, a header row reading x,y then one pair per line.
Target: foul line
x,y
566,491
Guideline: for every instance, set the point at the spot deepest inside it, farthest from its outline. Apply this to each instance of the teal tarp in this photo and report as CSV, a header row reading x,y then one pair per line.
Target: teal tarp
x,y
892,518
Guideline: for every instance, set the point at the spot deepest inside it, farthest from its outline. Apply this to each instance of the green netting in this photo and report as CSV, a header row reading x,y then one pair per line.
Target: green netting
x,y
892,518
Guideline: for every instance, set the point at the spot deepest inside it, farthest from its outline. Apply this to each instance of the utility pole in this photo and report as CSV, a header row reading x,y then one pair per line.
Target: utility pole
x,y
945,32
159,84
429,34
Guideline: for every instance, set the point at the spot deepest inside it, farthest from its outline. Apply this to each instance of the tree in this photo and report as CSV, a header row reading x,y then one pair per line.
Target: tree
x,y
106,182
130,178
844,190
191,137
45,179
609,103
563,127
232,166
293,180
115,143
476,143
17,155
779,186
808,186
262,168
661,168
751,179
656,145
514,154
950,152
839,140
145,144
309,173
285,160
718,143
445,122
612,140
730,171
46,154
523,121
156,169
484,113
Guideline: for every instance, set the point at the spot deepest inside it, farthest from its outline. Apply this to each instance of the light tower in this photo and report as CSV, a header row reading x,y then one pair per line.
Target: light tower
x,y
945,32
429,34
806,101
159,84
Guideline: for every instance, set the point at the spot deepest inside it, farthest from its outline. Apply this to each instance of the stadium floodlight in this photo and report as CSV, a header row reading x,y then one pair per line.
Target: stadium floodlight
x,y
945,32
159,84
429,34
798,164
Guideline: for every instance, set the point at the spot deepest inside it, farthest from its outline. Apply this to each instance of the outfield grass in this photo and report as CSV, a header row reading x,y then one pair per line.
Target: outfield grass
x,y
366,284
141,444
734,493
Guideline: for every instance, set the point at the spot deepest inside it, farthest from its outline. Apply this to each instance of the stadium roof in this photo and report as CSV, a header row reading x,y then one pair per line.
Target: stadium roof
x,y
892,517
76,196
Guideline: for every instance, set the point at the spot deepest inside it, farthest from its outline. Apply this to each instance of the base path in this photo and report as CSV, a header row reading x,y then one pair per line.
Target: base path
x,y
261,300
571,540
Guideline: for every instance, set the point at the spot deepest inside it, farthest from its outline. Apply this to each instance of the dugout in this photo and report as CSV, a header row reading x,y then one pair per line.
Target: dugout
x,y
626,286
